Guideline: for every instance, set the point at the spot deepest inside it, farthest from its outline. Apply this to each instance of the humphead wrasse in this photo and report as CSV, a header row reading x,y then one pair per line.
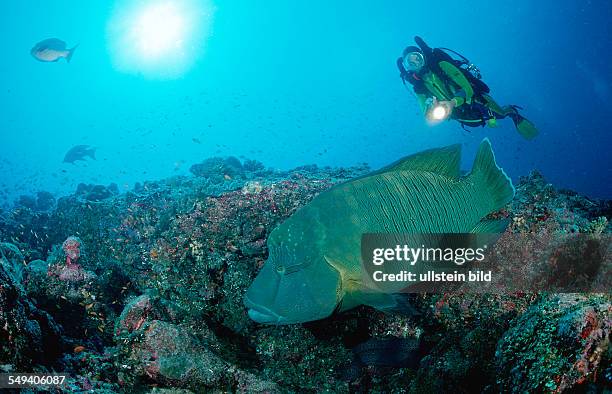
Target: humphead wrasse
x,y
314,265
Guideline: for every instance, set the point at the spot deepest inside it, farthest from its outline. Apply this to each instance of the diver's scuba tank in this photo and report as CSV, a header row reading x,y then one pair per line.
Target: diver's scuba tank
x,y
465,62
469,69
474,70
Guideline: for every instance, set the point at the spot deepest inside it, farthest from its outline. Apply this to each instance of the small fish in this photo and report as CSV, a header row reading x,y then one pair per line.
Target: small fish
x,y
383,353
389,352
79,349
196,140
79,152
314,266
52,50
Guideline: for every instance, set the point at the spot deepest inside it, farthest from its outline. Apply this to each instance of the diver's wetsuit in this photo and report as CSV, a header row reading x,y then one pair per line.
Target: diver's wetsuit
x,y
443,79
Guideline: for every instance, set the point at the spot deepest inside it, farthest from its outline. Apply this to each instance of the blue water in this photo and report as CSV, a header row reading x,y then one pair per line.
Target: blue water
x,y
291,83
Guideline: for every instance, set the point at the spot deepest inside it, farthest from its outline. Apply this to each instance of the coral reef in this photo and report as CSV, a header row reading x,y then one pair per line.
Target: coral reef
x,y
557,344
90,192
219,169
142,291
44,201
29,336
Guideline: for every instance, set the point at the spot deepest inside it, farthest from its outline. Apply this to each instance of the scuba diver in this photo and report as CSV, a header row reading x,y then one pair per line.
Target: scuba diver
x,y
450,88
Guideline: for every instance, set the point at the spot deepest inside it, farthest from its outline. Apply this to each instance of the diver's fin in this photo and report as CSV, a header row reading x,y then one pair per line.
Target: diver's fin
x,y
71,52
492,185
443,161
525,127
522,124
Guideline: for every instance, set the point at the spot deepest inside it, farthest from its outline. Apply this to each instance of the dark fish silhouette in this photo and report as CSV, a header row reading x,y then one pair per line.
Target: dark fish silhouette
x,y
383,353
79,152
390,352
52,50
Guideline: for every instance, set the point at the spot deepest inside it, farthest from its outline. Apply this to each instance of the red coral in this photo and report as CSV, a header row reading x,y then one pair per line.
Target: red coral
x,y
590,323
72,249
72,273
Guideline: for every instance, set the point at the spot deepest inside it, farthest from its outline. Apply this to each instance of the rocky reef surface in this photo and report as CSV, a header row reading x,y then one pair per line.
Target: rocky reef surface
x,y
142,292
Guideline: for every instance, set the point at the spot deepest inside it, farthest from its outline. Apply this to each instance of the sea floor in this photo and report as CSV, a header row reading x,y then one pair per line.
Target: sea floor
x,y
142,292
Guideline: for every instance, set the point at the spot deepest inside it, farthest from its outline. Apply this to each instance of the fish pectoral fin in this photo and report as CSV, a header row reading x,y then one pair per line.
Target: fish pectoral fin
x,y
349,281
335,264
338,266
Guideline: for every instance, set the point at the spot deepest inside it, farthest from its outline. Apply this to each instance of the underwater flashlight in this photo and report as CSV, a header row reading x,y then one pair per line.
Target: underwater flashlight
x,y
439,112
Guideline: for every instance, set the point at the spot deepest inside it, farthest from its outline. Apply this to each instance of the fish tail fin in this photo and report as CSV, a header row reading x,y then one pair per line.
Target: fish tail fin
x,y
489,179
91,152
71,52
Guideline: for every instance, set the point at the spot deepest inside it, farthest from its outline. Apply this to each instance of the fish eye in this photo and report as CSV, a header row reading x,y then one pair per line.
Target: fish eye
x,y
280,269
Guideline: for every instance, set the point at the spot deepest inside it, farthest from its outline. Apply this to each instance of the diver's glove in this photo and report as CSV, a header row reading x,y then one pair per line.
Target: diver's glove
x,y
450,104
433,102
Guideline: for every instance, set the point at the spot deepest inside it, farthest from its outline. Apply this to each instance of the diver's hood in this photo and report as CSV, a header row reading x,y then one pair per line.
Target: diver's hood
x,y
409,49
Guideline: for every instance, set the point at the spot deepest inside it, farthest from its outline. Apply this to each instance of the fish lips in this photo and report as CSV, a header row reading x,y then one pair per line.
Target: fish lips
x,y
261,314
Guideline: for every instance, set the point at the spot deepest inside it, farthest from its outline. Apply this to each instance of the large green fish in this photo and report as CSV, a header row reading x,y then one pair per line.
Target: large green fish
x,y
314,266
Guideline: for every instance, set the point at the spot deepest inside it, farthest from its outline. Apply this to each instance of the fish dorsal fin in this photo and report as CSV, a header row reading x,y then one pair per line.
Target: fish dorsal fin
x,y
443,161
489,179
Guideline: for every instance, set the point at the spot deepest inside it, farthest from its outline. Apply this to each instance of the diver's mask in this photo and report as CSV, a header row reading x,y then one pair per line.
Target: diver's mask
x,y
414,61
